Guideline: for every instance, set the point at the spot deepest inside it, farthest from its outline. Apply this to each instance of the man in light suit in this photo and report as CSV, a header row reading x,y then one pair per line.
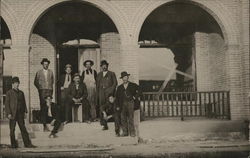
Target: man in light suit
x,y
44,82
16,111
106,83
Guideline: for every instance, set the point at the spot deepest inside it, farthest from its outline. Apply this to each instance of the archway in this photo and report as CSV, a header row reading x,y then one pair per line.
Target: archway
x,y
72,30
194,48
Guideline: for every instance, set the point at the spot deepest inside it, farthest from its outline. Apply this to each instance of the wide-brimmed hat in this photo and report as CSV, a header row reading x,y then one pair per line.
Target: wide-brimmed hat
x,y
104,62
76,75
15,79
68,66
45,60
124,73
91,62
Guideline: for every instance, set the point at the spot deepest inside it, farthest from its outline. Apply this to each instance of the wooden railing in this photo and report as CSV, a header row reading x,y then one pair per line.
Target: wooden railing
x,y
213,104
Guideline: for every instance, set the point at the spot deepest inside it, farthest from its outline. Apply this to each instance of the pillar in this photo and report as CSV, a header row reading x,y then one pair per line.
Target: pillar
x,y
21,69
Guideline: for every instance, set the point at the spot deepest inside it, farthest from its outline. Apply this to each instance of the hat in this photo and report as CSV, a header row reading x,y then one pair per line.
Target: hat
x,y
45,60
68,66
76,74
48,96
124,73
104,62
91,62
15,79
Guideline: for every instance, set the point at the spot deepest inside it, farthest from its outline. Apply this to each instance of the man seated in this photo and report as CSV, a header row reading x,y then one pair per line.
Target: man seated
x,y
78,96
53,116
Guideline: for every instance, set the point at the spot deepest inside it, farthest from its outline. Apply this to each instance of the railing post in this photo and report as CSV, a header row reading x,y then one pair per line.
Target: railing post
x,y
182,116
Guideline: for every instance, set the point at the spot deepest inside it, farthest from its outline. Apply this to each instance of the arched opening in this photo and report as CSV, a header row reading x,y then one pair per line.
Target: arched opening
x,y
6,63
182,47
191,40
70,33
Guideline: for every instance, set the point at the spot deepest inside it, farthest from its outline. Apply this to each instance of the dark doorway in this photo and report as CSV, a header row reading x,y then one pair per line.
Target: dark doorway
x,y
68,55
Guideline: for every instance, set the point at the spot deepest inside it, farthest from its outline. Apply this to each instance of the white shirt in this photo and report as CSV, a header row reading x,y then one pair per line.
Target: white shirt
x,y
104,73
125,85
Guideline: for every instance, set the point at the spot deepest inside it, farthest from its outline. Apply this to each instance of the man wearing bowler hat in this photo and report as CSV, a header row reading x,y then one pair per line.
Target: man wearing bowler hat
x,y
89,78
16,111
44,82
127,96
106,83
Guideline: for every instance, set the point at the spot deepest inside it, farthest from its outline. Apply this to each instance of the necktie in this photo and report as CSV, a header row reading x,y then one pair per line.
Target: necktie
x,y
68,78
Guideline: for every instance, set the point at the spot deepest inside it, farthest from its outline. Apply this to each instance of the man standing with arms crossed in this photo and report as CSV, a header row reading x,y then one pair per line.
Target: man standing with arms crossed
x,y
44,82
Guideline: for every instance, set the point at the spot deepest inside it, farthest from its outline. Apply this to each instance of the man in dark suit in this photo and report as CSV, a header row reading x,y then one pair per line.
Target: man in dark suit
x,y
127,96
78,96
16,111
44,82
106,83
65,81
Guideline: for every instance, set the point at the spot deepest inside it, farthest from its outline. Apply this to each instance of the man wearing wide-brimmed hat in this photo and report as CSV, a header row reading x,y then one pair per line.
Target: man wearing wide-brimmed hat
x,y
106,83
44,82
127,96
89,78
78,97
65,81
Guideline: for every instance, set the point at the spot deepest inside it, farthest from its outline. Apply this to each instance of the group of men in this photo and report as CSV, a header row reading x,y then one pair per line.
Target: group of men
x,y
97,93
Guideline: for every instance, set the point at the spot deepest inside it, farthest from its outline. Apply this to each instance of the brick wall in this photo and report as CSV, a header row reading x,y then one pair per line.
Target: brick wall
x,y
110,51
211,62
40,48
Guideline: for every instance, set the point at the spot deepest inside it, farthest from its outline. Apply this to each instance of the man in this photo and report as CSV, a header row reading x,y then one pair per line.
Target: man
x,y
106,83
44,81
16,111
65,81
54,116
106,112
89,78
78,96
127,96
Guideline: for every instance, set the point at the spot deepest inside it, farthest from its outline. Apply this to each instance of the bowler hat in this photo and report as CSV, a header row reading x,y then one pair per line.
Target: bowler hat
x,y
15,79
124,73
45,60
104,62
91,62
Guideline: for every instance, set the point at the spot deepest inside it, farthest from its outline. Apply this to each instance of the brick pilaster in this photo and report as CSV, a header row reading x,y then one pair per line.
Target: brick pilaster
x,y
21,68
129,61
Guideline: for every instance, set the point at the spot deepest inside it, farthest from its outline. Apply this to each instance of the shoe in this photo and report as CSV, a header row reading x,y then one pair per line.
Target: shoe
x,y
31,146
53,136
124,135
65,122
117,135
14,146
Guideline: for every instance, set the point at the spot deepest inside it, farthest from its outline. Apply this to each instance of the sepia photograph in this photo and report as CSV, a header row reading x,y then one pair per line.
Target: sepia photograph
x,y
124,79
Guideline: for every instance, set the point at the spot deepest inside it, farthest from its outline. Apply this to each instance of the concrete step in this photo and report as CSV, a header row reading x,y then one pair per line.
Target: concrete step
x,y
164,130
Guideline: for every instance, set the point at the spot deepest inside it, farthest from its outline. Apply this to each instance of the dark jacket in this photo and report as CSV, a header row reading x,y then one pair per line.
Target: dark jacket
x,y
107,83
80,93
11,103
62,79
133,90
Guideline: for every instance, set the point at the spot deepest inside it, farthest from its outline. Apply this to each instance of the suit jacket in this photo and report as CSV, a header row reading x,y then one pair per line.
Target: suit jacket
x,y
133,91
62,79
40,82
80,93
107,83
11,103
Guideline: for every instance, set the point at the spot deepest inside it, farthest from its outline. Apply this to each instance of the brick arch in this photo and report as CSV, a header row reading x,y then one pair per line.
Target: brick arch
x,y
39,8
219,12
8,14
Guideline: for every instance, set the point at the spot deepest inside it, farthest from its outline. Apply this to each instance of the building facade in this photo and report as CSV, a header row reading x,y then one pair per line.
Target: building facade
x,y
206,40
